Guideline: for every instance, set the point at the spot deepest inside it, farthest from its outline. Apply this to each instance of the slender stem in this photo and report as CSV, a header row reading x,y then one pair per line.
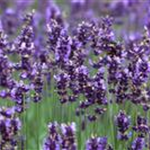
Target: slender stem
x,y
37,121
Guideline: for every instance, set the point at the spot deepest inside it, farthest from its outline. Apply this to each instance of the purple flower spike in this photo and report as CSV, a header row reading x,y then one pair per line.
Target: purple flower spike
x,y
62,85
61,137
123,123
141,126
68,137
97,143
52,141
138,144
9,129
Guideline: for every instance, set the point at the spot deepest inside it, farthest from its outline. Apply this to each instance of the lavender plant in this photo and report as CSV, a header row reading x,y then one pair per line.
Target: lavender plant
x,y
61,66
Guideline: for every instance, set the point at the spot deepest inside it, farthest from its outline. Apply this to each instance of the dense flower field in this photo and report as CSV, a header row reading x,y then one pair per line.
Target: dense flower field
x,y
75,75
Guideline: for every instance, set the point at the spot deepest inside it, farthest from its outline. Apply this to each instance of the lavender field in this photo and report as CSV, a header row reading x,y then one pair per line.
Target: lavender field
x,y
74,74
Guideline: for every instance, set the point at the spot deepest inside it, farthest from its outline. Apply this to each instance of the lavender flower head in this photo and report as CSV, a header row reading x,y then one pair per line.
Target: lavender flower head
x,y
138,144
68,137
52,141
123,123
96,143
9,129
60,137
141,126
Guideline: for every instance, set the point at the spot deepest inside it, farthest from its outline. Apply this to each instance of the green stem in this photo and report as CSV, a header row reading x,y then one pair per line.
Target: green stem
x,y
37,121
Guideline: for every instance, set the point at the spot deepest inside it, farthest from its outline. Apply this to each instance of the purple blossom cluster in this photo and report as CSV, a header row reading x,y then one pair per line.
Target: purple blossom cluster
x,y
64,137
87,62
98,143
10,126
61,137
121,71
138,144
73,78
141,126
123,123
21,80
